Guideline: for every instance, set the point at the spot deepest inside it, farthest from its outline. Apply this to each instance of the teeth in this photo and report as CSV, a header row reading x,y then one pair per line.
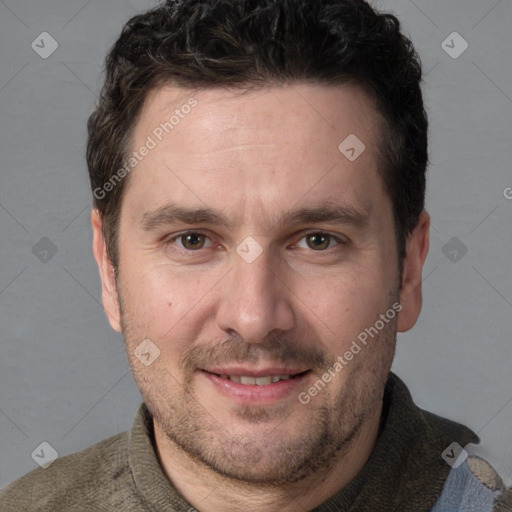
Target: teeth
x,y
256,381
263,381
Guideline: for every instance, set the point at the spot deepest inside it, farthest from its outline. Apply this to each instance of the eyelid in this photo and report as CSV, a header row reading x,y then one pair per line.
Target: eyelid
x,y
169,240
341,239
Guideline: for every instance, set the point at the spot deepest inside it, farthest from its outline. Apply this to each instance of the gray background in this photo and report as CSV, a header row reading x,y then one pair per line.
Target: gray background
x,y
64,377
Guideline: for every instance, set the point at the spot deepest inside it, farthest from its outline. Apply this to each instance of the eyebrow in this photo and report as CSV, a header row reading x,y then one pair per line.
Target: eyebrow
x,y
328,214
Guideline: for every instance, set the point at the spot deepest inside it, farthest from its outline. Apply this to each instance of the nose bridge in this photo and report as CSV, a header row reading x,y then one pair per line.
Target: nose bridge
x,y
255,302
255,279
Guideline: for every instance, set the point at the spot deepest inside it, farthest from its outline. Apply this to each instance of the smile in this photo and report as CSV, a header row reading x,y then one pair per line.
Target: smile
x,y
257,381
257,387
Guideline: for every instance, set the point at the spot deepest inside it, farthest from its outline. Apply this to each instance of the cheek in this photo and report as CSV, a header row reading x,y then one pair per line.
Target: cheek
x,y
162,301
342,306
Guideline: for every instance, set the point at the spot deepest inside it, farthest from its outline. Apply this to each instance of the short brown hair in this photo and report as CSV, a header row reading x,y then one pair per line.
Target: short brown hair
x,y
251,43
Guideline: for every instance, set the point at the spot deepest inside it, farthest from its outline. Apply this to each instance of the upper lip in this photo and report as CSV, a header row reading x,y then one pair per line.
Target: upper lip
x,y
251,372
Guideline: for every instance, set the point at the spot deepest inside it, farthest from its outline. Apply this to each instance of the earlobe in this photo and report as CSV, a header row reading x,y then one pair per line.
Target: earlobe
x,y
109,292
416,254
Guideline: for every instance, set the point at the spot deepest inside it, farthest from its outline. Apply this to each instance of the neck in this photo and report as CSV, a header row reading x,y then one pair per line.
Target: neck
x,y
208,491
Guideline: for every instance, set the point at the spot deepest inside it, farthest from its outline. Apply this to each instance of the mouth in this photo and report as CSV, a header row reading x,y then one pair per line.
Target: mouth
x,y
253,387
264,380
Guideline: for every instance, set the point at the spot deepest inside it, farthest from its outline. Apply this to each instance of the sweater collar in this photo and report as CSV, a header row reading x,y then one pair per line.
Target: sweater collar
x,y
405,471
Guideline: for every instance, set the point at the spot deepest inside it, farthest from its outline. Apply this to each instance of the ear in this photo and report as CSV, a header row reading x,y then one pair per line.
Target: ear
x,y
415,256
109,294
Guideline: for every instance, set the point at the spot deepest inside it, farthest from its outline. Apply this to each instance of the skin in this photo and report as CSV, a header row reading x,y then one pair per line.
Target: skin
x,y
254,157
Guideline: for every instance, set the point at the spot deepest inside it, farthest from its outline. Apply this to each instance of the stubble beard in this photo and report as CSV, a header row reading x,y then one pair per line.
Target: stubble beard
x,y
277,457
269,453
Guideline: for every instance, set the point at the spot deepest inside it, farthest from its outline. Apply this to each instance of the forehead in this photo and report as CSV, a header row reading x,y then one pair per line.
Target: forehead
x,y
338,108
274,145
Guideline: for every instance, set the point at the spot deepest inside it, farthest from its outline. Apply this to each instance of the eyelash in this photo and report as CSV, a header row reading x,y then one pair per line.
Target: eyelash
x,y
174,238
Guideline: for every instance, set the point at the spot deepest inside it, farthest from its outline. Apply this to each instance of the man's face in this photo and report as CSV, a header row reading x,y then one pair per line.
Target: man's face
x,y
252,247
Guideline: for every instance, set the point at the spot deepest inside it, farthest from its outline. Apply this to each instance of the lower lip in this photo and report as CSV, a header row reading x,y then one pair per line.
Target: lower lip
x,y
253,394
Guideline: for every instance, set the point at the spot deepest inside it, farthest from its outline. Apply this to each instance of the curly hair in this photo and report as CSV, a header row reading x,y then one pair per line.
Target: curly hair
x,y
200,44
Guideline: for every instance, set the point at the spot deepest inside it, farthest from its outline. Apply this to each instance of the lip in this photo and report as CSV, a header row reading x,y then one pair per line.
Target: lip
x,y
247,394
251,372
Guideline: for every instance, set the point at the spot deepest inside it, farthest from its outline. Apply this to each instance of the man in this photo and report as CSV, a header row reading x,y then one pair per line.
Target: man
x,y
258,172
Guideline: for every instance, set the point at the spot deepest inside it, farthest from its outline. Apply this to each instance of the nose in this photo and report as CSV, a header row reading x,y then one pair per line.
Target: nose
x,y
255,300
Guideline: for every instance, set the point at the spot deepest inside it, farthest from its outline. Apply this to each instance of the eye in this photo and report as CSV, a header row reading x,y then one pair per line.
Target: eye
x,y
319,241
191,241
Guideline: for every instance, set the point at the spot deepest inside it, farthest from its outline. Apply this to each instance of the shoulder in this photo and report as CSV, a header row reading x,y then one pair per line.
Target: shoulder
x,y
74,478
474,483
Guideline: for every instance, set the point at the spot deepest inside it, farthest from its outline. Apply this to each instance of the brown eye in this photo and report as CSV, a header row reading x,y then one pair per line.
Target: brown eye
x,y
318,241
192,241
